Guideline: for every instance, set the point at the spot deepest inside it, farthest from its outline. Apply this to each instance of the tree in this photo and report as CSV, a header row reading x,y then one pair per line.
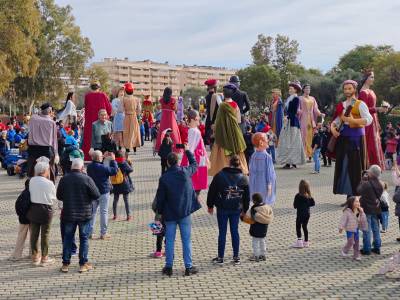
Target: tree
x,y
19,27
61,50
262,51
258,81
193,93
387,78
362,57
97,72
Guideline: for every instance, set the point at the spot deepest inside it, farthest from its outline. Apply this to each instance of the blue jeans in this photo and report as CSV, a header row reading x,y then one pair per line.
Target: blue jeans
x,y
69,233
271,151
102,201
185,227
62,229
317,163
385,219
223,216
373,226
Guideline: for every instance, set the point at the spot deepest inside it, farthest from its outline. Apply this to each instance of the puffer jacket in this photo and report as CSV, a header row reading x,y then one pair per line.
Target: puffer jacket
x,y
263,216
77,192
351,221
370,191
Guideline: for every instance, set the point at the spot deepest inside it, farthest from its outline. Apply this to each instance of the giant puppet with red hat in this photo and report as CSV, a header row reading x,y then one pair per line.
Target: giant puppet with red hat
x,y
147,110
95,100
213,100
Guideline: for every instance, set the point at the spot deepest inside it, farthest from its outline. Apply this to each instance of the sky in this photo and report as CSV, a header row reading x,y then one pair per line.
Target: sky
x,y
221,33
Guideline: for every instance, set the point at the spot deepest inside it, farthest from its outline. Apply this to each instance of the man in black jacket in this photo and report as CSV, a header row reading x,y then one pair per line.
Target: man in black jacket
x,y
242,100
77,191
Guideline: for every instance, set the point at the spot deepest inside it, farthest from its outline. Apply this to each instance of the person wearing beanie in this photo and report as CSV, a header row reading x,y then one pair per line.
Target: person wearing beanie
x,y
132,108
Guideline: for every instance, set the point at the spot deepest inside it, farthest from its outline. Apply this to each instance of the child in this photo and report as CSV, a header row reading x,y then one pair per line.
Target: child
x,y
154,133
272,139
70,140
261,169
316,146
165,149
384,201
326,136
161,232
352,220
262,215
302,202
21,207
391,146
125,187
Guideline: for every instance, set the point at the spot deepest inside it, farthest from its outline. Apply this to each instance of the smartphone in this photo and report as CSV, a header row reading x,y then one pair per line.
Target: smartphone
x,y
180,146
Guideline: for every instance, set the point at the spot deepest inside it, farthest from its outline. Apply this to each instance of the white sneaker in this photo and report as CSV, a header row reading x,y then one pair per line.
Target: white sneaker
x,y
298,244
344,254
306,244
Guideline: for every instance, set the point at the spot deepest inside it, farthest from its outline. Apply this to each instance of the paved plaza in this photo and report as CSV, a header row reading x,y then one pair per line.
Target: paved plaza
x,y
123,268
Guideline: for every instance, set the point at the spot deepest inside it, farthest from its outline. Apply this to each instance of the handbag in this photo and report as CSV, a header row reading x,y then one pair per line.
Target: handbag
x,y
333,140
40,213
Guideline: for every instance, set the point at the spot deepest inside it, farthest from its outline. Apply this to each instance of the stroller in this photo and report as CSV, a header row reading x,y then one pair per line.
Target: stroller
x,y
10,161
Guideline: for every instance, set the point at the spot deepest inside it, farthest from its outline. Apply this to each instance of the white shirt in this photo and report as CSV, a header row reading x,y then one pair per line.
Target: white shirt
x,y
364,113
42,190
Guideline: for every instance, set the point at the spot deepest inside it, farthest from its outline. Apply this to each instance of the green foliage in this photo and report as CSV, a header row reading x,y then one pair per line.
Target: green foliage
x,y
19,27
362,57
192,94
387,78
258,81
262,52
97,72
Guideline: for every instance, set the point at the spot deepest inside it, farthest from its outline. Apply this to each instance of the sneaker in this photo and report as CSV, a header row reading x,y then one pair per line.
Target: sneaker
x,y
36,262
157,255
129,218
254,258
383,231
218,261
47,261
191,271
294,166
287,166
363,252
298,244
262,258
358,258
376,251
236,261
306,244
114,218
167,271
105,237
344,254
92,237
74,253
314,172
64,268
86,267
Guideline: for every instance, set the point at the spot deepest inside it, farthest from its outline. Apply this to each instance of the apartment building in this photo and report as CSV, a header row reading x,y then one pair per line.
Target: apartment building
x,y
151,78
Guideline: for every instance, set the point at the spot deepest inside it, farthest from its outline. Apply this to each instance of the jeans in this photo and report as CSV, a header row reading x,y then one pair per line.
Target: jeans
x,y
62,230
44,230
126,200
185,227
353,241
373,226
385,219
271,151
69,231
259,246
102,201
223,216
317,163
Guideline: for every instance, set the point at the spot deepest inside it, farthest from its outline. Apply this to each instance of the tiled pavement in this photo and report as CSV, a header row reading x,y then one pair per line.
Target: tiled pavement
x,y
124,270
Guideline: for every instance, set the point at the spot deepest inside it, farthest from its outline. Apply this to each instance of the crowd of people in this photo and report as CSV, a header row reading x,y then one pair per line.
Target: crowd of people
x,y
244,152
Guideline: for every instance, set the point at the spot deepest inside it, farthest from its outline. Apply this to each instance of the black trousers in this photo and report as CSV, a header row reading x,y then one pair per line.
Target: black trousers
x,y
34,152
302,223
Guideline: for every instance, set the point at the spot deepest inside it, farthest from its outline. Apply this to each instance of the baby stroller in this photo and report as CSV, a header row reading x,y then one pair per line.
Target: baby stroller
x,y
10,161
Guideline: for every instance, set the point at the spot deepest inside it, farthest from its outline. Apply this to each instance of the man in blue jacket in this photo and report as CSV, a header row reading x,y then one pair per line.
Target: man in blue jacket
x,y
100,174
176,201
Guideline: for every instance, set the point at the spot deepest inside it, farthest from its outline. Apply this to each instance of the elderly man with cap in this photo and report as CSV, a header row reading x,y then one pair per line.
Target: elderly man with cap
x,y
242,100
76,191
213,100
42,140
95,100
348,127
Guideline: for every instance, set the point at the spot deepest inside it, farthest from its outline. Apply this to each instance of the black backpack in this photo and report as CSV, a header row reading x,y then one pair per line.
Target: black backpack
x,y
231,197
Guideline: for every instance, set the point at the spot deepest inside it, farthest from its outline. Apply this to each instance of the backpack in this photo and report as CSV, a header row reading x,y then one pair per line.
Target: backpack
x,y
231,197
117,178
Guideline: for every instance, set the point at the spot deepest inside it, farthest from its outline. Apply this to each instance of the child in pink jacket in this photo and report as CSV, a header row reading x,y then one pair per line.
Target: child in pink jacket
x,y
352,221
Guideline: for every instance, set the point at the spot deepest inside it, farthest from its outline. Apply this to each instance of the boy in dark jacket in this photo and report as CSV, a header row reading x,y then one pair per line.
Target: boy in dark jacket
x,y
123,188
21,207
165,149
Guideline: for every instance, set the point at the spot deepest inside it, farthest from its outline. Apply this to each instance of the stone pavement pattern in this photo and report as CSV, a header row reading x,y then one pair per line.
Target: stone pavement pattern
x,y
124,270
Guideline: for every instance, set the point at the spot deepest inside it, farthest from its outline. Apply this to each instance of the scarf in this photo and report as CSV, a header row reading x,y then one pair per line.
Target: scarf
x,y
227,131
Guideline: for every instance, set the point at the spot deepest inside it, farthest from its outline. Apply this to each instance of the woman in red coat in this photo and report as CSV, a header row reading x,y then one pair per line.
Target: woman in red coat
x,y
372,132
